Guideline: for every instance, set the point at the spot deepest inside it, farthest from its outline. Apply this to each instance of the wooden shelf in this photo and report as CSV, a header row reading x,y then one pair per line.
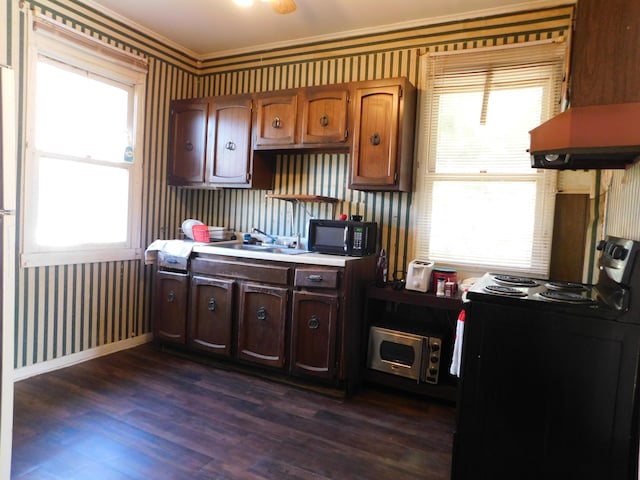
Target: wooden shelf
x,y
410,297
297,199
302,198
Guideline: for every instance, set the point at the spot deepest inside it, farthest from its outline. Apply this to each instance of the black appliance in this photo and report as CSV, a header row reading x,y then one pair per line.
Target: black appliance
x,y
342,237
549,375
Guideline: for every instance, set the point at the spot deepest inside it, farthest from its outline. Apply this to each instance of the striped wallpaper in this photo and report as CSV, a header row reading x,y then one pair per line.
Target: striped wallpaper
x,y
69,309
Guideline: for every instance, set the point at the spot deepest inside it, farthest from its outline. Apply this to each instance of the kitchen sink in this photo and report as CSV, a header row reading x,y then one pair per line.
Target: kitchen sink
x,y
265,248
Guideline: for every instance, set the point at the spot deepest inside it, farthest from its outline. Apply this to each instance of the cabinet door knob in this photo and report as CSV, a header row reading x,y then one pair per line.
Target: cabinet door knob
x,y
212,304
276,122
324,120
188,146
375,139
262,313
171,297
230,145
314,322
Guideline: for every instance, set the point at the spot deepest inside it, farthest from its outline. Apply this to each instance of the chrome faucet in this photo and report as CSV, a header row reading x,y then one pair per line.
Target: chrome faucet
x,y
257,230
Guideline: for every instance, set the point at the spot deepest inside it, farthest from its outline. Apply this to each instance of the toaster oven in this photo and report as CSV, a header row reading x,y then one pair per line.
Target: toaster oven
x,y
408,355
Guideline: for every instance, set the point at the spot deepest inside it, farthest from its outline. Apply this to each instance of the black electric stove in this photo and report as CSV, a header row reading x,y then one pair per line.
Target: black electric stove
x,y
610,298
549,376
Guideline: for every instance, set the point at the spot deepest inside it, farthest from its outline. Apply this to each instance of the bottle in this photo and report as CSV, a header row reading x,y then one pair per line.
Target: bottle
x,y
381,269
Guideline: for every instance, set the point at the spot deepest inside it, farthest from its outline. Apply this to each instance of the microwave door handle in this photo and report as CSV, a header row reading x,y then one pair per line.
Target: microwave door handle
x,y
345,239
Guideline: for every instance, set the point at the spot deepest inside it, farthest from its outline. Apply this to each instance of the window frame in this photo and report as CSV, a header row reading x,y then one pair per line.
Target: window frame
x,y
425,173
60,44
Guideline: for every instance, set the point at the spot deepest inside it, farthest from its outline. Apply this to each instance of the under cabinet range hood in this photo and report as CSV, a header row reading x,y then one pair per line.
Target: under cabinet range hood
x,y
594,136
588,137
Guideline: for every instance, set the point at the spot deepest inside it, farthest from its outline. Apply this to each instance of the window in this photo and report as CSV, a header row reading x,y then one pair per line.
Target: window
x,y
83,177
479,204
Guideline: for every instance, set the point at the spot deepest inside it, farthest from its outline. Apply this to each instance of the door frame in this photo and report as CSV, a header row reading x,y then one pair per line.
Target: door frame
x,y
8,171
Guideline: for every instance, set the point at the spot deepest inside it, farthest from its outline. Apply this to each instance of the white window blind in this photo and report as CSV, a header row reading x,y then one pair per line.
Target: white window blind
x,y
479,204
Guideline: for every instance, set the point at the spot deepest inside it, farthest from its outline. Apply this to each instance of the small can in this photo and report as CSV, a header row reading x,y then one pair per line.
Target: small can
x,y
440,287
449,289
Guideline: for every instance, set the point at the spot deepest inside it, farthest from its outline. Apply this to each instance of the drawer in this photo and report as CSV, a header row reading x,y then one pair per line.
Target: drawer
x,y
273,274
316,278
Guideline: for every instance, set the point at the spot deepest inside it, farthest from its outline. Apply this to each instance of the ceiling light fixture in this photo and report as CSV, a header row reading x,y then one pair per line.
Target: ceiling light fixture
x,y
278,6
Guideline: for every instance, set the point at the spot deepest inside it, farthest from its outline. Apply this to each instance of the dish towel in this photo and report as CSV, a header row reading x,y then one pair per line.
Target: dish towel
x,y
177,248
457,346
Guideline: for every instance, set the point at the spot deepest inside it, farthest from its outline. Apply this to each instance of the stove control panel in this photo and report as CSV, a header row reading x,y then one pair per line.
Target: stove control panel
x,y
616,257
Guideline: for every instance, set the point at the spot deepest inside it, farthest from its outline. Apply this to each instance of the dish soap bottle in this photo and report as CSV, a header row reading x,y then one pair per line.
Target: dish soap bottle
x,y
381,269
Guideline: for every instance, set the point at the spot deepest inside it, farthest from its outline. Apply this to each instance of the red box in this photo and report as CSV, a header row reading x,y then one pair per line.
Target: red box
x,y
201,233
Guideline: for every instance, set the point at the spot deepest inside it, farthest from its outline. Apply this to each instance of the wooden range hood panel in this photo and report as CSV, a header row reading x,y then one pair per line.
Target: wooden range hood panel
x,y
600,128
595,136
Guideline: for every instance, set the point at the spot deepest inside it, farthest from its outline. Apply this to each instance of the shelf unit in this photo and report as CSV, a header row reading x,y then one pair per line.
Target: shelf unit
x,y
437,314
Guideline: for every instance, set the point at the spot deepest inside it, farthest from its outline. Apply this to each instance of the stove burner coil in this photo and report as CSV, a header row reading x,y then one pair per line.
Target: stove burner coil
x,y
504,290
515,281
566,286
567,297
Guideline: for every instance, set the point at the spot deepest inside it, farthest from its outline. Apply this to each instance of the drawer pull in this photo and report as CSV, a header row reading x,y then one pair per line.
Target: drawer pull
x,y
314,278
230,145
262,313
276,122
324,120
212,304
171,297
314,322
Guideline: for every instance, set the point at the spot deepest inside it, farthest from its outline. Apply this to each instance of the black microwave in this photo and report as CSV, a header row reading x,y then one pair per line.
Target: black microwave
x,y
342,237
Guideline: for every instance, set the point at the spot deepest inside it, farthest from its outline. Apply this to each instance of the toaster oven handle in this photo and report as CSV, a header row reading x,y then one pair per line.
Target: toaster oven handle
x,y
424,361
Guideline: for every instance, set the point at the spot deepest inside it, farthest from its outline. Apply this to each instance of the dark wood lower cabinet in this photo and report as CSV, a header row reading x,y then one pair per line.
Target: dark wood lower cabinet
x,y
211,317
262,322
170,307
286,319
313,334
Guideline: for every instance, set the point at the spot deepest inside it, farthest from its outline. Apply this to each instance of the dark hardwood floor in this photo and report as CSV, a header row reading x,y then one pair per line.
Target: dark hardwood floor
x,y
147,414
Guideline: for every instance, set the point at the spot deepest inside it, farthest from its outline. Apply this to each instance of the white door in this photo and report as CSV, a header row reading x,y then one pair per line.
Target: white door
x,y
8,122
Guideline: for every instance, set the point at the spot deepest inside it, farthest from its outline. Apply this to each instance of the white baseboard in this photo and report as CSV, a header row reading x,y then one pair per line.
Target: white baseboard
x,y
75,358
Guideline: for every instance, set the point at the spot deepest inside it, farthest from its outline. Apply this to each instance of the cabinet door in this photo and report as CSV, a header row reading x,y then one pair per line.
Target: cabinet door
x,y
187,142
375,136
276,118
324,116
170,307
211,318
313,334
261,325
605,50
229,152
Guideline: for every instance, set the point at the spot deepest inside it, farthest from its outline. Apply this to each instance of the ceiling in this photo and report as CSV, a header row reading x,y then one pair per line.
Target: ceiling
x,y
212,28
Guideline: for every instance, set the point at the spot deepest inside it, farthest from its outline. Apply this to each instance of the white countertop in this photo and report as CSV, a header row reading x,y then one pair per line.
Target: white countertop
x,y
311,258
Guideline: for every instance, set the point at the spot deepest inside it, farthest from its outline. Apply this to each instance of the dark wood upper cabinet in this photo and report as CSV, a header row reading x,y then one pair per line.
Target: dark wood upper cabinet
x,y
229,152
605,52
383,133
210,145
230,141
276,119
187,141
324,115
